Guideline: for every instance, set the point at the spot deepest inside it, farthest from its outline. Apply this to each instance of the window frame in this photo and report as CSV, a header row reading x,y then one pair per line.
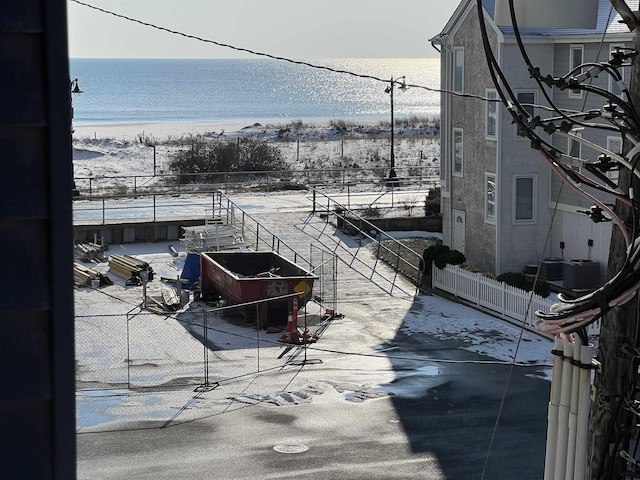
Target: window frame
x,y
534,199
533,112
458,75
623,72
454,157
491,94
614,175
571,142
573,64
488,178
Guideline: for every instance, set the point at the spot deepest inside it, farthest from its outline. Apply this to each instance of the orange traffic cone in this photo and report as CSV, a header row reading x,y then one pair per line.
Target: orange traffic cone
x,y
291,334
291,326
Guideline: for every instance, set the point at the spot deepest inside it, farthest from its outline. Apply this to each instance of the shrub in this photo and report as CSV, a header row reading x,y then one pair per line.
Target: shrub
x,y
521,281
432,203
440,256
452,257
371,212
430,254
202,160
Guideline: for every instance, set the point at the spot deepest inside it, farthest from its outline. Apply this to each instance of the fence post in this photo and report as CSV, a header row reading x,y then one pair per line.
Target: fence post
x,y
456,279
257,237
258,332
128,355
206,348
154,207
104,220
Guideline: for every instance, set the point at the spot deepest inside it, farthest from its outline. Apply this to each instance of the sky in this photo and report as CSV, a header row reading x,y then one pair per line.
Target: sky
x,y
298,29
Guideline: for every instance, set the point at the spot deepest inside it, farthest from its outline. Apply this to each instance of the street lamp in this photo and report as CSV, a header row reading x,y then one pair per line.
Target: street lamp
x,y
74,90
403,86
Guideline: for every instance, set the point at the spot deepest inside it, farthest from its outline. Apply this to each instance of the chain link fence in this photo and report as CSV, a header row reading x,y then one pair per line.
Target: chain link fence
x,y
205,343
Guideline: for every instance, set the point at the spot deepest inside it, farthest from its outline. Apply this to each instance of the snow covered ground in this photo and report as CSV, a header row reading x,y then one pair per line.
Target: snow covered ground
x,y
108,154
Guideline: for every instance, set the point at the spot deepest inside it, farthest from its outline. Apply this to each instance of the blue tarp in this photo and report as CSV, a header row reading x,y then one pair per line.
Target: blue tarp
x,y
191,271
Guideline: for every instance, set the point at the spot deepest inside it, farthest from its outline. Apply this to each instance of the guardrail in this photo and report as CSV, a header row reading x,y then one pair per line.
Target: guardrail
x,y
419,176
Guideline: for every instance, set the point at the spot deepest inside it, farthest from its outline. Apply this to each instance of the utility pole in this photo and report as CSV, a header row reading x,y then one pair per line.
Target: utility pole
x,y
611,422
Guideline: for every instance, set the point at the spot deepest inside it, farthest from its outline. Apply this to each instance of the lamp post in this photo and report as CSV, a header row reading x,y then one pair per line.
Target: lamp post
x,y
393,177
74,90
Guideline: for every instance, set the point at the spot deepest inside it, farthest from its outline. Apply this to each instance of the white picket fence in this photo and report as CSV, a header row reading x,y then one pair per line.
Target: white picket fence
x,y
504,300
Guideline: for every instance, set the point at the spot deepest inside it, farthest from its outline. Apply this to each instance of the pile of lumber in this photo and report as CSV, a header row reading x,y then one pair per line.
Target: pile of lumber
x,y
130,268
87,277
88,252
167,302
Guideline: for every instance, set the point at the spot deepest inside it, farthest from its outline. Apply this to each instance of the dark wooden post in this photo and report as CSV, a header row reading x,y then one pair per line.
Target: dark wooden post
x,y
615,378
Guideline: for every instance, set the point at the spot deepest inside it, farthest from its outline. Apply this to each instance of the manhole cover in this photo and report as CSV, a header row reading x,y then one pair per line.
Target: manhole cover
x,y
291,448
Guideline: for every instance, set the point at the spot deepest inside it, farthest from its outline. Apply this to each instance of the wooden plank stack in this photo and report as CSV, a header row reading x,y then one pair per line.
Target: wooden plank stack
x,y
129,267
87,277
167,301
88,252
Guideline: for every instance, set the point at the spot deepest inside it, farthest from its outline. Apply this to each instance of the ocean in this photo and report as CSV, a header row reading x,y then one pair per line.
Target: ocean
x,y
117,91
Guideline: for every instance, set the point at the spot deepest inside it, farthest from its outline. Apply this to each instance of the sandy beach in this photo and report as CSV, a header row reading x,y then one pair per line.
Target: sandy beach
x,y
108,154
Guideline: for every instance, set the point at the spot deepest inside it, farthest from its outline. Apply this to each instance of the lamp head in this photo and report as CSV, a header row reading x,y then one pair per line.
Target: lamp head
x,y
75,88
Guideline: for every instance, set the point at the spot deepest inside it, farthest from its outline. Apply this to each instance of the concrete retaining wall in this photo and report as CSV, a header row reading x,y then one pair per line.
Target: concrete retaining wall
x,y
158,231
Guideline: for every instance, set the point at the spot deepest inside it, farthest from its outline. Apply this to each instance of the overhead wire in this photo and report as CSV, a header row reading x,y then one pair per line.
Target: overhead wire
x,y
306,64
588,308
624,285
520,114
576,314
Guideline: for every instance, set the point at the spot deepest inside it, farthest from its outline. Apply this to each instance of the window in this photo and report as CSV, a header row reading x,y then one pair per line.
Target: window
x,y
613,85
458,151
574,147
614,145
491,129
490,197
576,58
458,69
528,101
524,209
445,171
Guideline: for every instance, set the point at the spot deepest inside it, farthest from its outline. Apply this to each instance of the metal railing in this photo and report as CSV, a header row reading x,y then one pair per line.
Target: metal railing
x,y
359,235
108,186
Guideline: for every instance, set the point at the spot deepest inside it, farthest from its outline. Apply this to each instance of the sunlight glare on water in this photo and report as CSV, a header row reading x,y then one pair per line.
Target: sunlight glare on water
x,y
179,90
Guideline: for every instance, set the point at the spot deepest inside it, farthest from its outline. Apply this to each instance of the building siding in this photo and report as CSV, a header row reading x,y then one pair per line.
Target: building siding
x,y
468,191
508,245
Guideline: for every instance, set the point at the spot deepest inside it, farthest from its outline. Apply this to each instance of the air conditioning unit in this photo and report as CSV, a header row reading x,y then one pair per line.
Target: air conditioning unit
x,y
581,274
551,268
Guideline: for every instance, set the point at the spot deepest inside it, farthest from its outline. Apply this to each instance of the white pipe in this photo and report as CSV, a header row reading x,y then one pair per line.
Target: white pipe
x,y
563,412
584,406
552,414
573,413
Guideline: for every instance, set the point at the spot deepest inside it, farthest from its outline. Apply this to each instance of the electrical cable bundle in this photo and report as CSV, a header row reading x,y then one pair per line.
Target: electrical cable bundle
x,y
573,315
